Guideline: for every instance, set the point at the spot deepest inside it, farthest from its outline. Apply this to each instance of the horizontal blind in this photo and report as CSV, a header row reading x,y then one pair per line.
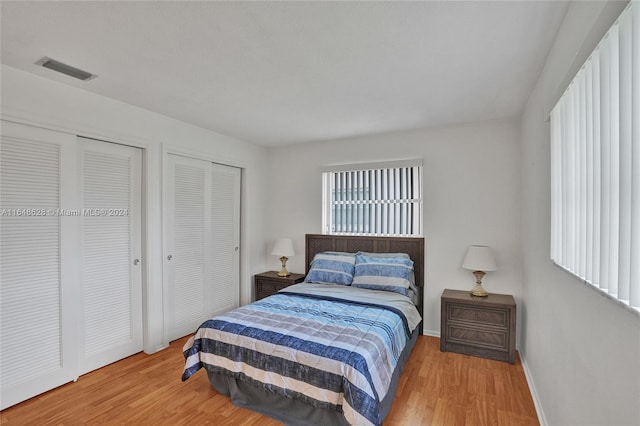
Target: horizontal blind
x,y
595,166
374,201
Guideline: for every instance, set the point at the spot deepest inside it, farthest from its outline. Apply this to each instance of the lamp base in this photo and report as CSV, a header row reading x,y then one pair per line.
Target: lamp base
x,y
283,272
477,290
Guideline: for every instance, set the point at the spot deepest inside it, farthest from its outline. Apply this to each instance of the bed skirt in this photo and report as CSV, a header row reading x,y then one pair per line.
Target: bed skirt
x,y
293,412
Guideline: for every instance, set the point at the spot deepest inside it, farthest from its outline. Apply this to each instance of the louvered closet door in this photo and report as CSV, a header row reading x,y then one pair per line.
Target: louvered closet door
x,y
201,242
111,252
224,257
38,334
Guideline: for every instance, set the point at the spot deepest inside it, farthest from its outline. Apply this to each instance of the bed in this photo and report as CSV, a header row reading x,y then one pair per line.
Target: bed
x,y
320,353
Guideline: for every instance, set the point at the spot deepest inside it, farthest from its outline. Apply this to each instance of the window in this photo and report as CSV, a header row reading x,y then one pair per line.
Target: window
x,y
595,166
373,199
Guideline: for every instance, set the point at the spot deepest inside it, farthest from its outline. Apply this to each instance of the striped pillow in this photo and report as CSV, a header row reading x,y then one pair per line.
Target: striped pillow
x,y
332,268
383,273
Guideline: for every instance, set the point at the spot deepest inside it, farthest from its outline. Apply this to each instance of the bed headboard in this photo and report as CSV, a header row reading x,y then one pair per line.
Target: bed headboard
x,y
413,246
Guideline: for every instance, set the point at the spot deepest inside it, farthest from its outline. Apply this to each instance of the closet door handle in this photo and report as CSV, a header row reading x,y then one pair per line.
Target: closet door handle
x,y
169,257
136,261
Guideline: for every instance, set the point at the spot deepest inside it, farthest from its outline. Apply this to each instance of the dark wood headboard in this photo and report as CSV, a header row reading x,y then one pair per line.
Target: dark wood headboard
x,y
413,246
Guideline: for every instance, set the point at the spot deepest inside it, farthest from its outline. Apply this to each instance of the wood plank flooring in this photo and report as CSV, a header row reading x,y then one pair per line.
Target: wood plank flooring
x,y
436,388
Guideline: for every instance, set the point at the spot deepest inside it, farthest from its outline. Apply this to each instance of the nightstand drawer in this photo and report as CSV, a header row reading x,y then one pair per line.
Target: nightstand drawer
x,y
268,283
267,288
478,336
495,317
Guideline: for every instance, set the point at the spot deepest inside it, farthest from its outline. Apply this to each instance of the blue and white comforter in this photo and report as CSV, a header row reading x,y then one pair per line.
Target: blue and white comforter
x,y
331,346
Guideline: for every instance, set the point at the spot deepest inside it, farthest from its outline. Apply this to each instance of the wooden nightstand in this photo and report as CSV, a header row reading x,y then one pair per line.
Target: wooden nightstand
x,y
479,326
268,283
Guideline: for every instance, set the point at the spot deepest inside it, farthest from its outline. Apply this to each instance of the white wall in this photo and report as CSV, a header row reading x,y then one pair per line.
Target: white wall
x,y
34,100
581,350
471,196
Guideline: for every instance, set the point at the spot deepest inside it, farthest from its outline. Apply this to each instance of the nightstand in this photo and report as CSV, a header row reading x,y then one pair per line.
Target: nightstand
x,y
478,326
268,283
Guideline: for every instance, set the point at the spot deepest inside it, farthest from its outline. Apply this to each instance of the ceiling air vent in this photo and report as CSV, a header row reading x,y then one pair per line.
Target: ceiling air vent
x,y
52,64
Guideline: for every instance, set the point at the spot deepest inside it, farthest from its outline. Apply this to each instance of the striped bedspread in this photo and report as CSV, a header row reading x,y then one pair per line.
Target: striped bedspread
x,y
331,346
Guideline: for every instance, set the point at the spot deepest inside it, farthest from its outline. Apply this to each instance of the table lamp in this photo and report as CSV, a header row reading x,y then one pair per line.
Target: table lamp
x,y
479,259
283,248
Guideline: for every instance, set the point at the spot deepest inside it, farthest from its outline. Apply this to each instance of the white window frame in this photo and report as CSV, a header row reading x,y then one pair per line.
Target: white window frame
x,y
595,167
393,205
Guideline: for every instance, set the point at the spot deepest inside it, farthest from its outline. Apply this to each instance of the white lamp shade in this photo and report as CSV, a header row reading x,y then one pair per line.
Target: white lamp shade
x,y
283,247
480,258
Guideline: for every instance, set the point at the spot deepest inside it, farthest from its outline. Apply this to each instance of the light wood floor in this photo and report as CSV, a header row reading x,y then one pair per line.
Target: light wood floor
x,y
435,389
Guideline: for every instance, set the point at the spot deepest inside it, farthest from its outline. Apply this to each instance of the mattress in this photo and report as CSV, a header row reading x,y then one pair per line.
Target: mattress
x,y
332,347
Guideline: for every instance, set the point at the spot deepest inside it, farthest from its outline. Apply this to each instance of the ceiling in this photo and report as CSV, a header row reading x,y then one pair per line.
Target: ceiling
x,y
276,73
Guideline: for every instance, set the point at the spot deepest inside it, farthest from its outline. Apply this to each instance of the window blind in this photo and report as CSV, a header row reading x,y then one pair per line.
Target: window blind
x,y
595,166
370,200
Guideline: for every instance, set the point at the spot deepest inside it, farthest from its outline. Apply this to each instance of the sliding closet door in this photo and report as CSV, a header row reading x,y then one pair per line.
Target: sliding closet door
x,y
37,245
201,242
70,254
111,252
185,237
224,257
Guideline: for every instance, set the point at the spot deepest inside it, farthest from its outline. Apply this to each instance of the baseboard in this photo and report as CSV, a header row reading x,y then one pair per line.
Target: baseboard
x,y
431,333
532,388
158,348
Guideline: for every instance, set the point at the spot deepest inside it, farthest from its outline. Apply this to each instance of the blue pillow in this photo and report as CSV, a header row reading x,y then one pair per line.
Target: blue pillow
x,y
383,273
332,268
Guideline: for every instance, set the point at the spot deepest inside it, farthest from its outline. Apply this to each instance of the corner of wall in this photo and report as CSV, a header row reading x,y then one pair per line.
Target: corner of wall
x,y
534,392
